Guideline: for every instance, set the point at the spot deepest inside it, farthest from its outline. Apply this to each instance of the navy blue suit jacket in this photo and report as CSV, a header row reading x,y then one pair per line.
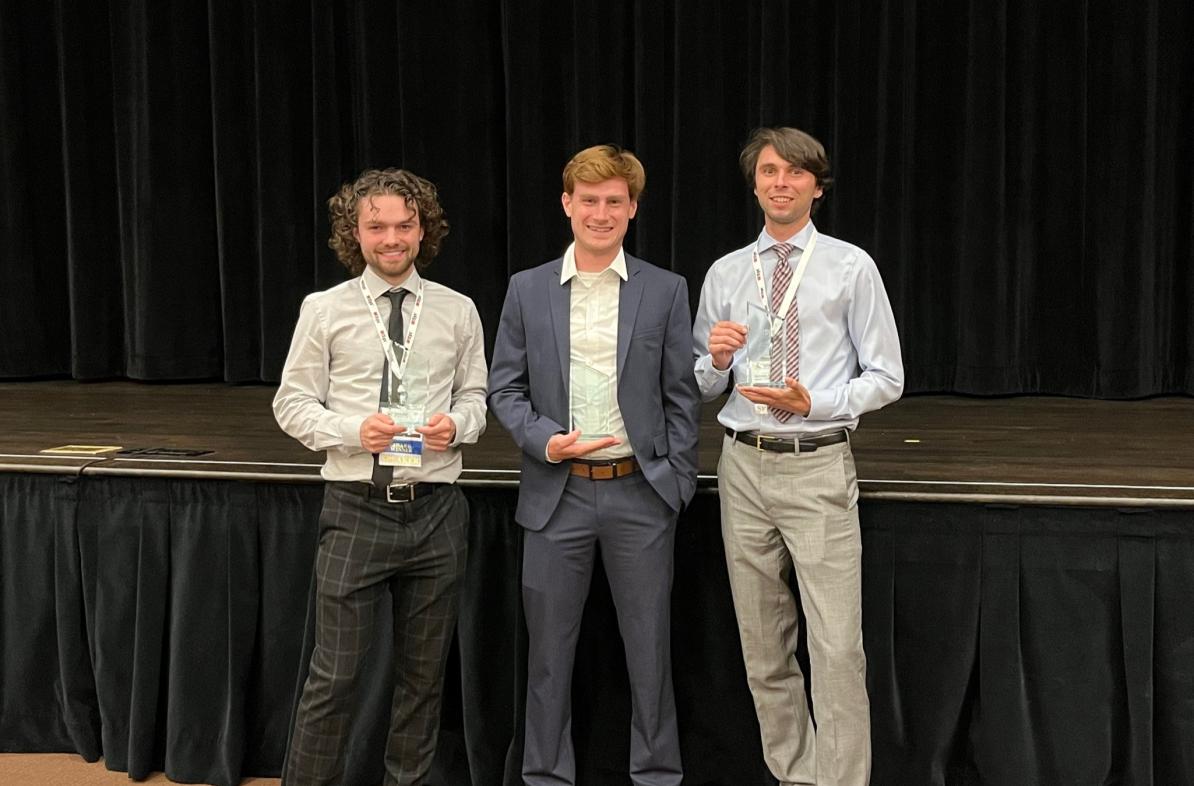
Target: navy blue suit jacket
x,y
657,392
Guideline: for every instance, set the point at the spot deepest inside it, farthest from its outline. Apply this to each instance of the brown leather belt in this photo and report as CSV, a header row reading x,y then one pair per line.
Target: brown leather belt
x,y
604,470
786,445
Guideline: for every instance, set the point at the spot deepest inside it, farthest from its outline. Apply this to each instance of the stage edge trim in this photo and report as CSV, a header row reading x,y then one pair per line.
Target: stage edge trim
x,y
1035,500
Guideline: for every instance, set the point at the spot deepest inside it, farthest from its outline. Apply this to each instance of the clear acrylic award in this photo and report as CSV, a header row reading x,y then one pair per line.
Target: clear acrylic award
x,y
407,404
592,401
760,327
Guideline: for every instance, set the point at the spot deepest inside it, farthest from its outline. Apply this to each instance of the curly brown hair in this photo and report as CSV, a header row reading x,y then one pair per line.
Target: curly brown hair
x,y
420,196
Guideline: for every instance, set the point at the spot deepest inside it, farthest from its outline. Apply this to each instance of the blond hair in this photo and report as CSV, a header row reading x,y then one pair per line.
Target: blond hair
x,y
603,162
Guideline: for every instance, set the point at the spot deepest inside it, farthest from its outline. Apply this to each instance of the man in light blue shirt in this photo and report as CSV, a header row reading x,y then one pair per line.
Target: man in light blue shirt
x,y
799,328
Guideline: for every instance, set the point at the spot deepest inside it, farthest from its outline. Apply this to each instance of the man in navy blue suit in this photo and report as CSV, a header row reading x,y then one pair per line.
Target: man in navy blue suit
x,y
592,376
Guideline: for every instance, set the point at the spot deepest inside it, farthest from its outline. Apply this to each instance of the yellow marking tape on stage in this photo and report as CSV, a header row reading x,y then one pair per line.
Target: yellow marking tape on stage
x,y
81,450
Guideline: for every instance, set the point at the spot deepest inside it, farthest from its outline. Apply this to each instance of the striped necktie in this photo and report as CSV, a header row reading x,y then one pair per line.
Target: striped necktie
x,y
785,346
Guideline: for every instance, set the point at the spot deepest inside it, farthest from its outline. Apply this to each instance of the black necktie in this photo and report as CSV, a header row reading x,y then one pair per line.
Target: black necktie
x,y
382,475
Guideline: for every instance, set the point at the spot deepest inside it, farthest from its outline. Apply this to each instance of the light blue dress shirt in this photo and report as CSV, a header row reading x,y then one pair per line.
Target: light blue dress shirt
x,y
849,349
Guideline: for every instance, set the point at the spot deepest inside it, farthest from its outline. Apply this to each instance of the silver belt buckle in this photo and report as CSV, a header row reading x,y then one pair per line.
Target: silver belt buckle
x,y
400,492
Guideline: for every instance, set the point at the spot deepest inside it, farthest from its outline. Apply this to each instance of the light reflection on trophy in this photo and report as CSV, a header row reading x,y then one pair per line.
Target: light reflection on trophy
x,y
407,402
591,401
759,330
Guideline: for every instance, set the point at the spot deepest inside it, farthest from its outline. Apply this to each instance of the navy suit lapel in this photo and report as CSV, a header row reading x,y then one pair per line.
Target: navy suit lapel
x,y
560,299
628,300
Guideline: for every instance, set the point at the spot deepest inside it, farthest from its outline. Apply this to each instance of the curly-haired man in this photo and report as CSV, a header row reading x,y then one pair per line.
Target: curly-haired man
x,y
387,374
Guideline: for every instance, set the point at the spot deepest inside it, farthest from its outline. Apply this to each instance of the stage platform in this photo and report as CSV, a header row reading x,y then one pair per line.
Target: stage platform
x,y
1024,450
1027,566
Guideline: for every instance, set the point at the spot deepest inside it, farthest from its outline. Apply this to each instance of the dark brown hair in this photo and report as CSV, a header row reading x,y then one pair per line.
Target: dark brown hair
x,y
794,146
420,196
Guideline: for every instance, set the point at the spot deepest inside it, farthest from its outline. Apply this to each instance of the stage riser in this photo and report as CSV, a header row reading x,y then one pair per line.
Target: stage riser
x,y
161,623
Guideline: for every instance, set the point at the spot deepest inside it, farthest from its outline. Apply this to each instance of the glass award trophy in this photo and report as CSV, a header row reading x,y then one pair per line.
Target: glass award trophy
x,y
407,405
759,329
592,400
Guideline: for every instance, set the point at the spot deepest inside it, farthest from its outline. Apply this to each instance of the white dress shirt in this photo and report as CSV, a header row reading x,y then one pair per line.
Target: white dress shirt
x,y
332,378
593,322
849,349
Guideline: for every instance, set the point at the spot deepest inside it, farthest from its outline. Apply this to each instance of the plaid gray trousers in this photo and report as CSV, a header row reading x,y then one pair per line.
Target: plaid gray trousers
x,y
415,552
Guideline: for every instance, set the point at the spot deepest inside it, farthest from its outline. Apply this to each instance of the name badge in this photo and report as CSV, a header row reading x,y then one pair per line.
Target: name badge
x,y
405,450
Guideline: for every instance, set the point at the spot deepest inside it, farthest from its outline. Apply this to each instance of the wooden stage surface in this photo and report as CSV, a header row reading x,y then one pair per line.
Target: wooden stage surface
x,y
1024,450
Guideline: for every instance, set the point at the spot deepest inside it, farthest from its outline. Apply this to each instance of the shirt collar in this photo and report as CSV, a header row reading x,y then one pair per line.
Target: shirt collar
x,y
568,269
378,286
799,240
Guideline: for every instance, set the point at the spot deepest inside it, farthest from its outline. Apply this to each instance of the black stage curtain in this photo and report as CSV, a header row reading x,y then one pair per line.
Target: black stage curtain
x,y
1021,171
161,623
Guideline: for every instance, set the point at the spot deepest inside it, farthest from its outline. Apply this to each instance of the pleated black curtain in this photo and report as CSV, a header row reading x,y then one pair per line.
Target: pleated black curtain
x,y
1022,172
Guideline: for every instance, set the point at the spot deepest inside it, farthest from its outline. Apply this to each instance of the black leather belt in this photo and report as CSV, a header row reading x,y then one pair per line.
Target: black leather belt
x,y
787,445
604,470
395,493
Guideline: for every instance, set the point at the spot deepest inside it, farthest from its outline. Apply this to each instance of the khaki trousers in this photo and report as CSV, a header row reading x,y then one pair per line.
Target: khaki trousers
x,y
781,511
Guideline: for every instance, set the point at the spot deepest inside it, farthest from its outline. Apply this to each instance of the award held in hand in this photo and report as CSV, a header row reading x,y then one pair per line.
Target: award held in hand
x,y
592,401
761,331
407,403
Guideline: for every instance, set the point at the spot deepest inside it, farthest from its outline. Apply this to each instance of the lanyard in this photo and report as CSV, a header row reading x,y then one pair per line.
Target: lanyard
x,y
396,369
777,318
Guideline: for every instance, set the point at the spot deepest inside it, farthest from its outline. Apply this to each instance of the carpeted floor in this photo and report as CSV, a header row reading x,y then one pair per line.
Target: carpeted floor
x,y
68,769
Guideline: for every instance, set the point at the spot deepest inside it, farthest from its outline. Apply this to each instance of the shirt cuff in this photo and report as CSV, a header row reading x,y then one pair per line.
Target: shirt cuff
x,y
820,400
459,421
350,431
711,381
548,458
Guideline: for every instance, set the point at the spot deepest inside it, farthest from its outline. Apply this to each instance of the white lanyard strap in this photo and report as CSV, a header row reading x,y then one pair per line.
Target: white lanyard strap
x,y
792,285
396,369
